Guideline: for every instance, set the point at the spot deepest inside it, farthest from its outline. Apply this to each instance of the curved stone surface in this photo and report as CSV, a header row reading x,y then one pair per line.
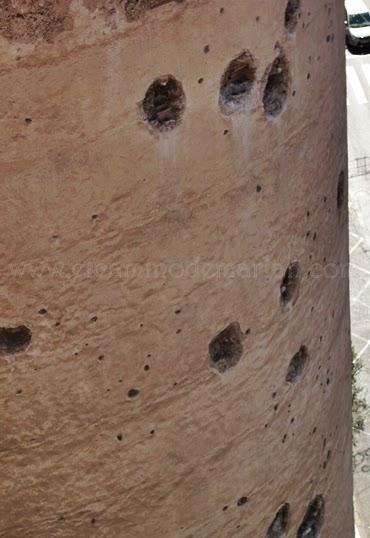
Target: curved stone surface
x,y
163,260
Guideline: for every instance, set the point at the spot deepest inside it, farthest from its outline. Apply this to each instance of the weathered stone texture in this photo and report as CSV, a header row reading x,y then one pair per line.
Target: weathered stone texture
x,y
166,254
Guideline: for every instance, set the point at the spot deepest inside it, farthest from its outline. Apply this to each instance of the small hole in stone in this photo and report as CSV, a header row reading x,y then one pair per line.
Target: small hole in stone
x,y
101,357
178,311
276,88
178,331
328,38
276,407
340,190
237,82
94,318
242,501
152,432
226,349
28,120
225,508
289,287
258,18
297,365
206,49
226,131
14,339
133,393
43,311
164,103
94,217
19,391
146,368
279,525
313,519
258,188
119,437
200,80
292,13
294,93
284,438
93,520
222,10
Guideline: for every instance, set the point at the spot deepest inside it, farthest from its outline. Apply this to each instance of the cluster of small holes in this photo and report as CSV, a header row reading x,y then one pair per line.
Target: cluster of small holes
x,y
164,103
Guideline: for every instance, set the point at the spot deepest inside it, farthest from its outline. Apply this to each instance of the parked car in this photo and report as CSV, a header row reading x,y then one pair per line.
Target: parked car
x,y
357,24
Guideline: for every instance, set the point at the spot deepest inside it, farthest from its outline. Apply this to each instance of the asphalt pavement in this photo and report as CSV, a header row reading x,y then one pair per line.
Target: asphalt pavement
x,y
358,106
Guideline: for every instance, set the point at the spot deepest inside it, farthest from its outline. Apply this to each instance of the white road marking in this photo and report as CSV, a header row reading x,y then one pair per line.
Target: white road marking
x,y
360,268
361,303
356,85
359,337
361,292
366,70
356,245
353,234
363,350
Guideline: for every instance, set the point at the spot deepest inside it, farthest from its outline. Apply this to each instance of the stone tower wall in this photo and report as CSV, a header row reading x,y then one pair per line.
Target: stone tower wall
x,y
174,341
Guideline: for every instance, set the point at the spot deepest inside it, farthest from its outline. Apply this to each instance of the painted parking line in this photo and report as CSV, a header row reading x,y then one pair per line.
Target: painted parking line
x,y
362,269
359,337
355,299
355,84
354,235
366,70
359,355
356,245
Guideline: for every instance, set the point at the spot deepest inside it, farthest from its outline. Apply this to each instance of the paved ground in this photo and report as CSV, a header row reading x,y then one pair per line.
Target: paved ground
x,y
358,102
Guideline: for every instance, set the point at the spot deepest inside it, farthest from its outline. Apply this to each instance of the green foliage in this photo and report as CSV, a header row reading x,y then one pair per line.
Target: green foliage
x,y
359,404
